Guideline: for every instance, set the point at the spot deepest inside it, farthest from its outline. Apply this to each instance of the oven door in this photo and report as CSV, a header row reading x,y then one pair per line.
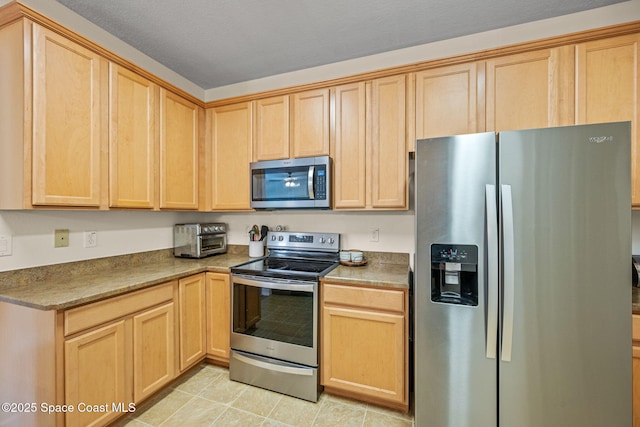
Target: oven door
x,y
276,318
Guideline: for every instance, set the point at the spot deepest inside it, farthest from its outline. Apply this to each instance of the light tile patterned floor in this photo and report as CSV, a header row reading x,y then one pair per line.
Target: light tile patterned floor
x,y
206,397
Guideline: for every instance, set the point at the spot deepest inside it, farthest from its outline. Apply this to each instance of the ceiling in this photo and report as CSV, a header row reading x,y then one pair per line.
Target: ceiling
x,y
215,43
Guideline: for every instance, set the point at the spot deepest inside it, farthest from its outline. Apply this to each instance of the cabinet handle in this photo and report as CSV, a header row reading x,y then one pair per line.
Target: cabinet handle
x,y
272,366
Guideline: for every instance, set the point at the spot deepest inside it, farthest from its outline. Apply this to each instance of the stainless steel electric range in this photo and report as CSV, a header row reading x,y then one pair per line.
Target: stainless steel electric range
x,y
275,313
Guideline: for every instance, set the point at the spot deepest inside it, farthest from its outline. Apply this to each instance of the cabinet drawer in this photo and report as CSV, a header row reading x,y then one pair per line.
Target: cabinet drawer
x,y
355,296
635,326
88,316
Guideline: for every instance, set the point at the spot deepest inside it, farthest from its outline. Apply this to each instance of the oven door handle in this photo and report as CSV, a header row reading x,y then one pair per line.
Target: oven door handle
x,y
300,286
272,366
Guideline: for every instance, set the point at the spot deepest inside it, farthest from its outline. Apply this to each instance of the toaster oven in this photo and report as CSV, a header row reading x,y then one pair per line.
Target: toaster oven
x,y
199,240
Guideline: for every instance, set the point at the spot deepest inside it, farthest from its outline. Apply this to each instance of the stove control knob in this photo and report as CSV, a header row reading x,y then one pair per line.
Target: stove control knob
x,y
322,240
280,238
331,241
273,237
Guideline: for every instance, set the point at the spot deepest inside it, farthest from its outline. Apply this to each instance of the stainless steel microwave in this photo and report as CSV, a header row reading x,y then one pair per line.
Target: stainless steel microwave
x,y
291,184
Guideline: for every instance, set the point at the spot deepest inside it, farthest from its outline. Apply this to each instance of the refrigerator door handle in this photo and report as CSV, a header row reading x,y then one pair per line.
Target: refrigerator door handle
x,y
508,272
491,218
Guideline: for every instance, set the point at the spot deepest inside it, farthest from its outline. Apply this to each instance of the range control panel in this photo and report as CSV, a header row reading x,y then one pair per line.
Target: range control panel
x,y
303,241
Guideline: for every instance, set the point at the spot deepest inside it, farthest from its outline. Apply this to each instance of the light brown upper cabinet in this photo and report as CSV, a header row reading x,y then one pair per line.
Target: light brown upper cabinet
x,y
530,90
310,123
446,101
133,140
608,90
369,145
52,120
389,155
179,152
271,141
349,150
229,137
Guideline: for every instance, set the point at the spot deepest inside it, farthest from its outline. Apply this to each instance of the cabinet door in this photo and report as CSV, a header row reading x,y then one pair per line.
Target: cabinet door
x,y
608,90
271,141
68,85
389,156
218,316
153,350
192,320
636,386
363,352
97,372
446,101
179,151
349,147
133,139
529,90
310,123
230,134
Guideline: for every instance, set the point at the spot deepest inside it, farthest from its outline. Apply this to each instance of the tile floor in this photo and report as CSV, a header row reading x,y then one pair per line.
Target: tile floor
x,y
206,397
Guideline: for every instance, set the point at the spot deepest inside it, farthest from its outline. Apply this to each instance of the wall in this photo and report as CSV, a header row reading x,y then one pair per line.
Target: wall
x,y
121,232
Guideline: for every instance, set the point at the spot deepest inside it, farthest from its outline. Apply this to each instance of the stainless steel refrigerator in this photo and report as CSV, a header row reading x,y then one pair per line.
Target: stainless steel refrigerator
x,y
522,289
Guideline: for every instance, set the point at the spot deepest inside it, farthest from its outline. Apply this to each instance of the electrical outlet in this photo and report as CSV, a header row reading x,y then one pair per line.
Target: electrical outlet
x,y
90,239
374,234
61,238
5,245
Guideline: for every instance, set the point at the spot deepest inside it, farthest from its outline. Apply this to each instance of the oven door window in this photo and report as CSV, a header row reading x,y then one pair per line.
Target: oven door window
x,y
290,183
274,314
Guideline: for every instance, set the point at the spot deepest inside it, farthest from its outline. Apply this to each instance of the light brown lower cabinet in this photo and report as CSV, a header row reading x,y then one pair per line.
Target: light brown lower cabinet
x,y
635,333
364,343
218,294
193,325
117,352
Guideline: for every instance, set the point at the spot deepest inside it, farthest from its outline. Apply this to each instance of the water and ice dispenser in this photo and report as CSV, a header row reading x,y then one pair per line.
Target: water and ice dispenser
x,y
454,274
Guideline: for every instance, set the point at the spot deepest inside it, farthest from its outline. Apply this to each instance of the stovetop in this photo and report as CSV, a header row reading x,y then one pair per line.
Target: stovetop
x,y
306,256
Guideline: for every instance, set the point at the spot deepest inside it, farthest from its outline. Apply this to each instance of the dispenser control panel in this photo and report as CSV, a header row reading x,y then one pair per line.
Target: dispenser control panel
x,y
454,274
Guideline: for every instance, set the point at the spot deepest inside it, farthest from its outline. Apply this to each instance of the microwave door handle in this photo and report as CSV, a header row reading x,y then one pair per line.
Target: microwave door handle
x,y
312,172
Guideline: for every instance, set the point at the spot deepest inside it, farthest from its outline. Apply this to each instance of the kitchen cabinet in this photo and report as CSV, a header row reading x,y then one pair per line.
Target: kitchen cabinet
x,y
349,147
229,142
218,294
271,141
608,89
369,145
193,327
364,343
530,90
446,101
120,349
153,350
179,152
133,139
310,123
52,120
97,371
635,319
290,126
389,154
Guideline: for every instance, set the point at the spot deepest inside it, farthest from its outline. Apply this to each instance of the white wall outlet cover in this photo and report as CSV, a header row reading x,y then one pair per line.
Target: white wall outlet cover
x,y
90,239
5,245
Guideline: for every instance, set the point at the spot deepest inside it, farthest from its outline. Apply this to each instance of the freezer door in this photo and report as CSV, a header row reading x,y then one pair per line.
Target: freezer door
x,y
565,358
455,374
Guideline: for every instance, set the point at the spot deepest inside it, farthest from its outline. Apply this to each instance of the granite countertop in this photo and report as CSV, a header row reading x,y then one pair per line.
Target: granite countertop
x,y
384,275
71,284
67,285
